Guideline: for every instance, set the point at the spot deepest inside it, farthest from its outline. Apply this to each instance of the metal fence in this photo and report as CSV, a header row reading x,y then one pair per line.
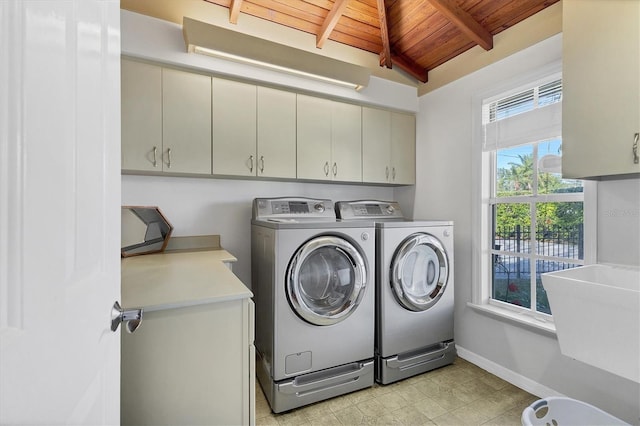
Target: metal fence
x,y
556,241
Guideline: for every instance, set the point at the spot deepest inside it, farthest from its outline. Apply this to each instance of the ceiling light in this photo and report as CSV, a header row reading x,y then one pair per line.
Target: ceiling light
x,y
211,40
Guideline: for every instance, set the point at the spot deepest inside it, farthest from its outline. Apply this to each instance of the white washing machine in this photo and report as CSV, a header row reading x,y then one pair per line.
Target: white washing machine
x,y
313,285
414,290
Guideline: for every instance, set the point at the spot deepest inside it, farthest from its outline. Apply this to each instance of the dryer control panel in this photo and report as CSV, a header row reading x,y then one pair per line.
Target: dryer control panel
x,y
368,209
293,209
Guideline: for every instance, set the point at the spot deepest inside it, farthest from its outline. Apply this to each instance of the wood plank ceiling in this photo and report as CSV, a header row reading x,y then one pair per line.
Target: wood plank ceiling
x,y
413,35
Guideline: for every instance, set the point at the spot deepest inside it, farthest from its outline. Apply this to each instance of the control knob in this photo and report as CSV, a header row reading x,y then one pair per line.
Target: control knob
x,y
390,209
319,207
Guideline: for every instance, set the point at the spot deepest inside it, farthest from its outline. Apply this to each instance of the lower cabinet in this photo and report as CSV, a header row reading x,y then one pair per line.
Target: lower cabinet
x,y
191,365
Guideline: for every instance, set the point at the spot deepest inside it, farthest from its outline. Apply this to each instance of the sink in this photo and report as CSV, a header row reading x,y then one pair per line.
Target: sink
x,y
596,310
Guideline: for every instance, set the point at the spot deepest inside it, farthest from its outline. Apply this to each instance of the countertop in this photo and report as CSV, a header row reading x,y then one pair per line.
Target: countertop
x,y
179,279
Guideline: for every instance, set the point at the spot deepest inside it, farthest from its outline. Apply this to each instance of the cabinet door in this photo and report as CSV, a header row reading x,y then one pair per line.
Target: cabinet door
x,y
141,86
403,148
601,87
276,133
346,142
186,122
376,145
314,138
234,128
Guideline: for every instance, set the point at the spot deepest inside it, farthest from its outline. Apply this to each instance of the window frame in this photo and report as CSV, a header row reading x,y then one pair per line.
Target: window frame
x,y
483,197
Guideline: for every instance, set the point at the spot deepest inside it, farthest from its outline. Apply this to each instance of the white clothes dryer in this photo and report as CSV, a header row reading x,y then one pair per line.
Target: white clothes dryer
x,y
313,285
414,290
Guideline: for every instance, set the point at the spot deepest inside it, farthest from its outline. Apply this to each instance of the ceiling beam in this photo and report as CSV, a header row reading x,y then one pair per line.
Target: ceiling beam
x,y
464,22
330,22
385,55
234,11
410,67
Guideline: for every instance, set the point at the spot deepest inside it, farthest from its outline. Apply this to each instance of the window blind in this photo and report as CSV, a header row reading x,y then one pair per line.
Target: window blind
x,y
529,116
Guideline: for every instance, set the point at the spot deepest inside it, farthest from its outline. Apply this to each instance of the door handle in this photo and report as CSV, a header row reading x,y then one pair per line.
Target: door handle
x,y
132,317
635,148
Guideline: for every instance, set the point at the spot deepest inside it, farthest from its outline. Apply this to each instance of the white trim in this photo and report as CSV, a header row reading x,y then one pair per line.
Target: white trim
x,y
505,374
520,316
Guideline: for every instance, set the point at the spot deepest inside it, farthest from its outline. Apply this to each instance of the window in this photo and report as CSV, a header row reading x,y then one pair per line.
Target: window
x,y
533,219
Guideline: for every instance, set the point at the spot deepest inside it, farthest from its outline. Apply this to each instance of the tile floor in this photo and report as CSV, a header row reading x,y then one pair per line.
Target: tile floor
x,y
458,394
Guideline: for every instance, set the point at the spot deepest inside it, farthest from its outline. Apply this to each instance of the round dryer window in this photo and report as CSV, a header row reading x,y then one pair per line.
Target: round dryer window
x,y
326,280
419,272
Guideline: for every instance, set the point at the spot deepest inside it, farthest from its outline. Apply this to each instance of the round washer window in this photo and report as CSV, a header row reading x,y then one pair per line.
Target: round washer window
x,y
326,280
419,272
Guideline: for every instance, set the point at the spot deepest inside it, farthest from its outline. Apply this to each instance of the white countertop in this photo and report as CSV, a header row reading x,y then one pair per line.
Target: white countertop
x,y
179,279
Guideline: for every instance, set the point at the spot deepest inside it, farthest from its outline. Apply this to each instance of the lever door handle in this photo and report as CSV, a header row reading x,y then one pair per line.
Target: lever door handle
x,y
132,318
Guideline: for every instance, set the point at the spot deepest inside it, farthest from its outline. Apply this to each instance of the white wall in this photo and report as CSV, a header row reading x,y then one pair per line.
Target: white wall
x,y
445,190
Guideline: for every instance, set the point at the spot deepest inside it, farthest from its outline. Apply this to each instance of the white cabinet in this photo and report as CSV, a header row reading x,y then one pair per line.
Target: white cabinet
x,y
192,358
141,87
388,147
276,153
186,122
234,128
329,140
254,130
601,87
166,125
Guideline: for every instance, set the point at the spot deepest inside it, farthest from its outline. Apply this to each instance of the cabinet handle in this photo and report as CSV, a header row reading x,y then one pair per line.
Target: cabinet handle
x,y
169,157
251,163
261,164
326,168
335,169
635,148
393,173
386,172
155,153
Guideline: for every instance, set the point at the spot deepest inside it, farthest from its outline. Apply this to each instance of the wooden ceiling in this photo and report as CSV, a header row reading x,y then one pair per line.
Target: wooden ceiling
x,y
413,35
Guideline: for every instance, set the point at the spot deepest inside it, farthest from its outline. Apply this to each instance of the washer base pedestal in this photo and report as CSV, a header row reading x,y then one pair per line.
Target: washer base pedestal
x,y
308,388
398,367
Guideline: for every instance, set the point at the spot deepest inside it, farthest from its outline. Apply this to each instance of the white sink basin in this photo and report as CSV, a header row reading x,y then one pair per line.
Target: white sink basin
x,y
596,310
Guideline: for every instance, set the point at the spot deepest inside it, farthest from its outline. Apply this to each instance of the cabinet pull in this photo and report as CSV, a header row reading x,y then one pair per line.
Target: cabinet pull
x,y
326,168
251,163
335,169
386,172
155,153
169,157
635,148
393,173
261,164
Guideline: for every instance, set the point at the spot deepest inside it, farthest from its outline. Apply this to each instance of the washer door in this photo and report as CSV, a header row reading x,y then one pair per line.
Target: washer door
x,y
326,280
419,272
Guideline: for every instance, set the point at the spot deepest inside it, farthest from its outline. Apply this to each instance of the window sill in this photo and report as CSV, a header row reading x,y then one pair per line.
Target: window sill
x,y
519,318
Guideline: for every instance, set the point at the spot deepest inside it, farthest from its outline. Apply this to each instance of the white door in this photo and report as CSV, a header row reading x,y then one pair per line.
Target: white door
x,y
59,211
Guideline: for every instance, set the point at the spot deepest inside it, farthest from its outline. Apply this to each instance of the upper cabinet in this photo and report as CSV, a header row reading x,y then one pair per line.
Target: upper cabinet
x,y
179,122
186,122
254,130
141,123
234,128
601,88
388,146
166,124
276,150
329,140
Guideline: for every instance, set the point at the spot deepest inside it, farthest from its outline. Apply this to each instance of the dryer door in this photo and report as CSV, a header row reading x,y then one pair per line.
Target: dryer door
x,y
326,280
419,272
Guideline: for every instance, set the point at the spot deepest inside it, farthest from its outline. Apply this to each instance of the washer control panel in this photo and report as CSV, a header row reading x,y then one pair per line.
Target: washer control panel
x,y
293,209
368,209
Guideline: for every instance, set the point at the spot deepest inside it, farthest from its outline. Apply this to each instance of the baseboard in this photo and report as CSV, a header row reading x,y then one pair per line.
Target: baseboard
x,y
507,375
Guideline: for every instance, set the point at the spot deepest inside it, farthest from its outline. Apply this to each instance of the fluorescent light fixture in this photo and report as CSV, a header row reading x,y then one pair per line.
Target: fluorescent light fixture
x,y
211,40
